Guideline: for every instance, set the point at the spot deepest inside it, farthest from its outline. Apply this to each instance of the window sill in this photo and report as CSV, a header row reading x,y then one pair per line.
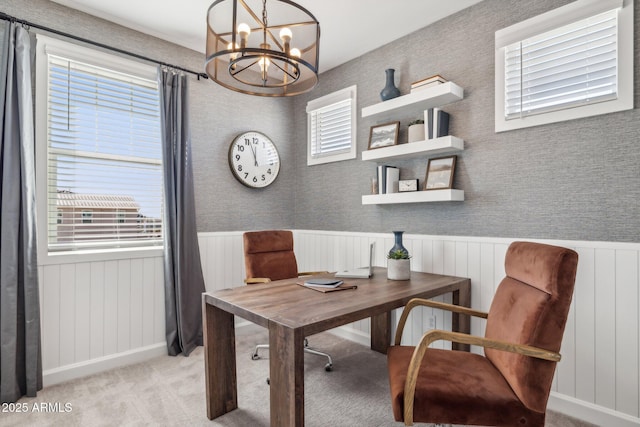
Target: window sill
x,y
69,257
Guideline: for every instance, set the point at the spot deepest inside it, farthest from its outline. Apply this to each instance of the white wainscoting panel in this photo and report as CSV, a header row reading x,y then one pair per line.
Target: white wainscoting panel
x,y
94,313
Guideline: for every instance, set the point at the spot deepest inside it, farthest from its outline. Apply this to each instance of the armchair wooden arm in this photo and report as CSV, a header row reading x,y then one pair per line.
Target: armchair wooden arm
x,y
254,280
436,335
433,304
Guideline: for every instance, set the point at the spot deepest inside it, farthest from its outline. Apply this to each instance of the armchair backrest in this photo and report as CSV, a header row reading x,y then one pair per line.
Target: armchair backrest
x,y
530,307
269,254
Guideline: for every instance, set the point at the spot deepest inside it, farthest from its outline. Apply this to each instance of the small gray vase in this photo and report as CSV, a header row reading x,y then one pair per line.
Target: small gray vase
x,y
390,90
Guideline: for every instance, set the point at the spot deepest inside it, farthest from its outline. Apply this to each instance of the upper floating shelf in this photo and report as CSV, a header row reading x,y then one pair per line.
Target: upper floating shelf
x,y
419,100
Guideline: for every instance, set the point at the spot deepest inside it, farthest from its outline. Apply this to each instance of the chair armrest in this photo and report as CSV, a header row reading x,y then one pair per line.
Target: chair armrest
x,y
434,304
436,335
254,280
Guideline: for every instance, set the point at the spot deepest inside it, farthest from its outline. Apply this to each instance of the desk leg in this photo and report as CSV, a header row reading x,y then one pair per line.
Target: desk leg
x,y
286,373
381,332
460,322
219,360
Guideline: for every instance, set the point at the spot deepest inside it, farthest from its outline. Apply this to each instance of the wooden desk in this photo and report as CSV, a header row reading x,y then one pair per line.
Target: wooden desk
x,y
291,312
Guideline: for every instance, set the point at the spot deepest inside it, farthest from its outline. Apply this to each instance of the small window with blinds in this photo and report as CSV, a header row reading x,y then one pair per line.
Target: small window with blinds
x,y
567,65
104,180
331,127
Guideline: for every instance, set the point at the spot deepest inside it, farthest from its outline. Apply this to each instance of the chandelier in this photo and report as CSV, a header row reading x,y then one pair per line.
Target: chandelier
x,y
262,49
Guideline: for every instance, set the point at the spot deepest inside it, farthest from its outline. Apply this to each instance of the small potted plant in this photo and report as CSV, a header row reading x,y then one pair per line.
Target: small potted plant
x,y
398,265
416,130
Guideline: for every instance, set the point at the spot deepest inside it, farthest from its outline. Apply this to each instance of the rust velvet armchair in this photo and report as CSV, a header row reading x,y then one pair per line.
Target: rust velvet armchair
x,y
509,385
268,255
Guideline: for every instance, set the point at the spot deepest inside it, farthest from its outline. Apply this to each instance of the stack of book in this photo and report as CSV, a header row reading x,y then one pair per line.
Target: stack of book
x,y
388,177
428,82
436,123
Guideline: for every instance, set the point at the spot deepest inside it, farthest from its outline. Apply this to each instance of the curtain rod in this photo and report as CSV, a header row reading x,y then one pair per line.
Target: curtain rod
x,y
6,17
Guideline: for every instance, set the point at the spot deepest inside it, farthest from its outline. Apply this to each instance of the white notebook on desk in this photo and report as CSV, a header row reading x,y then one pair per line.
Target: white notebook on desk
x,y
360,273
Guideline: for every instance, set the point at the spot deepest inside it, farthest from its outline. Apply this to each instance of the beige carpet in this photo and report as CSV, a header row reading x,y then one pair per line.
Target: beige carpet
x,y
169,391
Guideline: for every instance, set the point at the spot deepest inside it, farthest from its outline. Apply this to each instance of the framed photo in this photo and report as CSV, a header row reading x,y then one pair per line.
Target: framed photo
x,y
440,173
384,135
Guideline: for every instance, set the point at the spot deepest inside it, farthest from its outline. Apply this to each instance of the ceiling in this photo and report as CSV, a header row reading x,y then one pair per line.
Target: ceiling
x,y
349,28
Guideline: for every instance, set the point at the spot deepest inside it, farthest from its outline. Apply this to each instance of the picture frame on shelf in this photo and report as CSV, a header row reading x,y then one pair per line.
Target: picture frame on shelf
x,y
384,135
440,173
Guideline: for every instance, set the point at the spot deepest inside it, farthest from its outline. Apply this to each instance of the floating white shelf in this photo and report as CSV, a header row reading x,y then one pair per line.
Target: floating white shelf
x,y
419,100
448,195
442,145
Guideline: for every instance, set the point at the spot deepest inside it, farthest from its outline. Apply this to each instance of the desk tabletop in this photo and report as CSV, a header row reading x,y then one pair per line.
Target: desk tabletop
x,y
286,302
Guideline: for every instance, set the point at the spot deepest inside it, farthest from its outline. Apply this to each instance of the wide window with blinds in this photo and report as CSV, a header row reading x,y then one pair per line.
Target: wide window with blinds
x,y
104,180
575,65
331,127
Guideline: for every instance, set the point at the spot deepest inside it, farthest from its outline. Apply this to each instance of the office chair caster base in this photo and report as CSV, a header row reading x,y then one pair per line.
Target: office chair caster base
x,y
255,356
328,367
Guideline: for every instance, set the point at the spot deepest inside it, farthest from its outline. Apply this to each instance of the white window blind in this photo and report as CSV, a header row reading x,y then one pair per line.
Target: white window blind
x,y
104,176
571,62
573,65
331,127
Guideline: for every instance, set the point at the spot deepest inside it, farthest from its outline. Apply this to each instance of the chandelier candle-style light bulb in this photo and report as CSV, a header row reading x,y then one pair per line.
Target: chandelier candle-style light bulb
x,y
285,36
250,47
243,31
233,56
264,66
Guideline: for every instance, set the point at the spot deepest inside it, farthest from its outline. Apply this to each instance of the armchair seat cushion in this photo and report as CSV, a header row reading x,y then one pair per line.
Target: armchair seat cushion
x,y
473,396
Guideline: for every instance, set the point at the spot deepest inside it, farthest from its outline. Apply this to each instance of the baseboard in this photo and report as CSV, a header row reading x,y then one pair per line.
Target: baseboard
x,y
352,335
589,412
101,364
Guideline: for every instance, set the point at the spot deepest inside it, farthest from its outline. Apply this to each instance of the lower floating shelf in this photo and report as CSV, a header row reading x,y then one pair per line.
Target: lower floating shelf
x,y
448,195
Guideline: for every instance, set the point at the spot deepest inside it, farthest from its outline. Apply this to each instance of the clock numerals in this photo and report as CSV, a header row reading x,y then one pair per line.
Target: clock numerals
x,y
258,166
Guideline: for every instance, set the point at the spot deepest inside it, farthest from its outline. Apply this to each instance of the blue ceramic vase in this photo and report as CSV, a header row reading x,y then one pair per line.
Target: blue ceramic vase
x,y
397,235
390,90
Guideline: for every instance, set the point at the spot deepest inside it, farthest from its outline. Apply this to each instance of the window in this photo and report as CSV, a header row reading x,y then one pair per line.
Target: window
x,y
87,217
99,136
331,126
575,61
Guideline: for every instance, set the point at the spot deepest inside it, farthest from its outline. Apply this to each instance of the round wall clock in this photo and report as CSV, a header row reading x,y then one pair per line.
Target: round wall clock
x,y
254,159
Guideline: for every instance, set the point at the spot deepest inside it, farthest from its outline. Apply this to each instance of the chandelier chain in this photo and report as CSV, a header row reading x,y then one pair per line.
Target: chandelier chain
x,y
264,20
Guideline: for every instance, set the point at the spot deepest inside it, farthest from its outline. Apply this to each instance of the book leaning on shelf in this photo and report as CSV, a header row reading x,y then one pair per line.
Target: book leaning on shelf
x,y
388,177
436,122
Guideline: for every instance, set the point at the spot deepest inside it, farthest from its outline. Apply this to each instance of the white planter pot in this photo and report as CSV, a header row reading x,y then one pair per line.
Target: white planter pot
x,y
416,132
398,269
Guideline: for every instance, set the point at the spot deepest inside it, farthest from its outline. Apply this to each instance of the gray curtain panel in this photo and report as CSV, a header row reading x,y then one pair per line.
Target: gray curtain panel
x,y
184,282
20,353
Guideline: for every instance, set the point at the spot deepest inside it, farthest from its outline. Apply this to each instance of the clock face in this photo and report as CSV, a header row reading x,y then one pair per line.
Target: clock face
x,y
254,159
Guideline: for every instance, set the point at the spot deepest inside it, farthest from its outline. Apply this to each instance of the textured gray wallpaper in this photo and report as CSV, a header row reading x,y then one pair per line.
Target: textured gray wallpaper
x,y
572,180
217,116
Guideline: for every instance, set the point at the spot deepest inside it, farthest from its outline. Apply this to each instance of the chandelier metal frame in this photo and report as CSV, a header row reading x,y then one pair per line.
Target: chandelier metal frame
x,y
266,64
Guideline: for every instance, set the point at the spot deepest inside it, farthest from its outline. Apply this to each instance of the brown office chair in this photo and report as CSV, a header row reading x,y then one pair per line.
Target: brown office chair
x,y
268,255
510,384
